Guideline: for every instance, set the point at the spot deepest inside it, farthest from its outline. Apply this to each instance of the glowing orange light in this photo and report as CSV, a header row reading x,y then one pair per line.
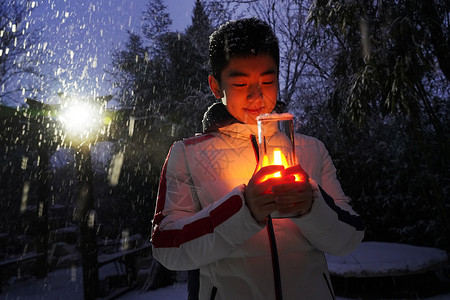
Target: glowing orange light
x,y
280,160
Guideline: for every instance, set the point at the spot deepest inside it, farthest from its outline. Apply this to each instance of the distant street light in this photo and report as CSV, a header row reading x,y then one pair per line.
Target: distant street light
x,y
83,122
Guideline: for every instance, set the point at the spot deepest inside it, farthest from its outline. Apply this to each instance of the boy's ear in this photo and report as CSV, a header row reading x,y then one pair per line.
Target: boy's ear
x,y
214,85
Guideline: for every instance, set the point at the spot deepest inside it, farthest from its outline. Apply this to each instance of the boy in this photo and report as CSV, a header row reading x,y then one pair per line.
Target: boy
x,y
212,211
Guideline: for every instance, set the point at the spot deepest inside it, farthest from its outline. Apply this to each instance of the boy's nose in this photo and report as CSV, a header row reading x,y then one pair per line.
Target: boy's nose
x,y
254,92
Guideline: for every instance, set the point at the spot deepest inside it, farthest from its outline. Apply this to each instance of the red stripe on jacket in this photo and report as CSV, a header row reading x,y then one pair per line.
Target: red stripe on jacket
x,y
177,237
161,200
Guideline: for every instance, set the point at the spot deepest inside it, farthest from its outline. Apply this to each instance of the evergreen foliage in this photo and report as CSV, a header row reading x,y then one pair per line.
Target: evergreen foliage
x,y
158,73
389,92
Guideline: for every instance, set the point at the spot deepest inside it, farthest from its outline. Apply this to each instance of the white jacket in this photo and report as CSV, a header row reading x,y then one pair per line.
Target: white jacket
x,y
202,221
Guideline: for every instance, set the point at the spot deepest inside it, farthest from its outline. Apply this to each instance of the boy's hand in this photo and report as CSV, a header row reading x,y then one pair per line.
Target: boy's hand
x,y
295,196
282,194
258,196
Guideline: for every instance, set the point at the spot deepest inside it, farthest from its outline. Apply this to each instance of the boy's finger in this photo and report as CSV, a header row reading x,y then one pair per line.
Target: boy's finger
x,y
298,171
263,172
296,186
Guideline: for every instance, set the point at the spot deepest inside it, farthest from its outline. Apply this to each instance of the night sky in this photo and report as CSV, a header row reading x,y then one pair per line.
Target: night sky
x,y
83,34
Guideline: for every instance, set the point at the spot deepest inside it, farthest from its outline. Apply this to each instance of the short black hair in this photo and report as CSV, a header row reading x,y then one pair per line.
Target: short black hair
x,y
243,37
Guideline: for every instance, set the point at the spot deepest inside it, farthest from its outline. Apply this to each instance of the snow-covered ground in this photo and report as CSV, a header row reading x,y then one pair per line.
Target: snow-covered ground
x,y
67,284
372,259
61,285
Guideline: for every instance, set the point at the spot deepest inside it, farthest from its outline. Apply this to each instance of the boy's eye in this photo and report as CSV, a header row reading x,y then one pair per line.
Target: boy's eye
x,y
239,84
267,82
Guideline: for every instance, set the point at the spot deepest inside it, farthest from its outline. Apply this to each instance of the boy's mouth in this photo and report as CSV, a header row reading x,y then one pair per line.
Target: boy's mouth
x,y
252,111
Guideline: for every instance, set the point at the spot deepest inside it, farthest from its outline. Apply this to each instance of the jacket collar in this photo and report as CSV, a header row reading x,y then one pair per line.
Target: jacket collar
x,y
217,116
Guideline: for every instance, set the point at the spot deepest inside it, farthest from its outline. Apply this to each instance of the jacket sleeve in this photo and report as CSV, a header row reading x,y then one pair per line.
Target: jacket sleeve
x,y
186,236
331,226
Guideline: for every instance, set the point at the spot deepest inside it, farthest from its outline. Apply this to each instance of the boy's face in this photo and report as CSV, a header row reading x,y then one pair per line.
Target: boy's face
x,y
249,87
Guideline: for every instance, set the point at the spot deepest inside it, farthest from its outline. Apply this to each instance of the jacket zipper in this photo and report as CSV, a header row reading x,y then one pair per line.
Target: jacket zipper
x,y
272,240
213,293
255,147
